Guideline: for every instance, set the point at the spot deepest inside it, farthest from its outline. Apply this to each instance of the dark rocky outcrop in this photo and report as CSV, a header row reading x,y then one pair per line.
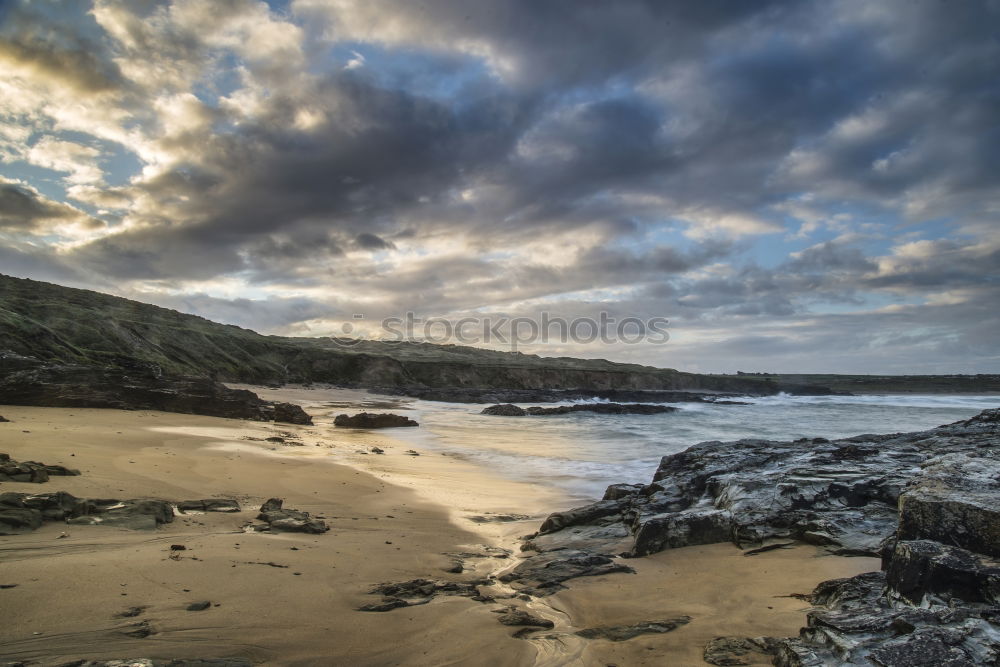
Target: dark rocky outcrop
x,y
372,420
519,617
4,420
422,591
504,410
925,502
842,495
30,471
729,651
209,505
30,381
620,633
22,512
290,413
278,519
508,410
543,574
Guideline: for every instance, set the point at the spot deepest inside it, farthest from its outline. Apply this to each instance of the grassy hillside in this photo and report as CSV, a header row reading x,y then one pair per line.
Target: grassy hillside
x,y
80,326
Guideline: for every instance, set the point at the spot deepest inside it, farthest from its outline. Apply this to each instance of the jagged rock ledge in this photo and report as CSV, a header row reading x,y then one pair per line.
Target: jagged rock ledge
x,y
30,381
925,502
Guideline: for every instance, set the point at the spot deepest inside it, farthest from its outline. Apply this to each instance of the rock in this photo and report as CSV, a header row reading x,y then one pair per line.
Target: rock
x,y
421,591
31,381
209,505
30,471
620,633
131,612
20,512
543,574
842,495
938,600
290,413
727,651
288,520
199,606
954,501
387,604
178,547
371,420
4,420
504,410
923,569
508,410
519,617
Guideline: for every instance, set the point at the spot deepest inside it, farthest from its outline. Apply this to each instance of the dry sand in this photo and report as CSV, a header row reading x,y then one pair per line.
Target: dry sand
x,y
393,517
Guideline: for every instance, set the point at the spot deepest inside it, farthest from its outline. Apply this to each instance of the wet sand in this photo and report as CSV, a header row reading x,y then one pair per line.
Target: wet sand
x,y
393,517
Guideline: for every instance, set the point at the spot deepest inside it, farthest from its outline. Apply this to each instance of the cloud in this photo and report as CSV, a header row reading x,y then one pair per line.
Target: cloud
x,y
733,166
24,209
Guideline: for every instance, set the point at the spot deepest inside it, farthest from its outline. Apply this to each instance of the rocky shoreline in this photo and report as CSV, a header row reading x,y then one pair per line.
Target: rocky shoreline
x,y
30,381
925,502
493,395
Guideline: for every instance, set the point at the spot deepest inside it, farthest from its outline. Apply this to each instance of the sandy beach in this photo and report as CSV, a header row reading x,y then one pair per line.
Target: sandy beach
x,y
291,599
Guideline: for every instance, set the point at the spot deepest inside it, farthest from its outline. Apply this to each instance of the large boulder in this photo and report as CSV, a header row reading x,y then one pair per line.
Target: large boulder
x,y
937,602
955,500
371,420
291,413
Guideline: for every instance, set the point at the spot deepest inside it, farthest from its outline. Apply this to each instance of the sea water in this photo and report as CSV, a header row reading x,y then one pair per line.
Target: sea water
x,y
581,453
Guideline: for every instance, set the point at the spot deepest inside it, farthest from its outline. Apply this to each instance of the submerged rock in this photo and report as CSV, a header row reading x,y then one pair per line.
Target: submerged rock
x,y
371,420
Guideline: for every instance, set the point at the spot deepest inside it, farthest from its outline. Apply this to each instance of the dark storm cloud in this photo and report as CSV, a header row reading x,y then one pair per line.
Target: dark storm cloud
x,y
24,209
57,51
481,155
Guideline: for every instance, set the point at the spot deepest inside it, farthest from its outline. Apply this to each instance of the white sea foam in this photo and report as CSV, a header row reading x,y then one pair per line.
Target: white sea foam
x,y
581,453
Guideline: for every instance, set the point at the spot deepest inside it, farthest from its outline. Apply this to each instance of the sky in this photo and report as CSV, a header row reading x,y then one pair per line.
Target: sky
x,y
796,186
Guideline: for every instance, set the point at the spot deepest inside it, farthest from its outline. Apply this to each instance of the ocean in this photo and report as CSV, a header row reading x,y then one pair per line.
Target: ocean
x,y
580,454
